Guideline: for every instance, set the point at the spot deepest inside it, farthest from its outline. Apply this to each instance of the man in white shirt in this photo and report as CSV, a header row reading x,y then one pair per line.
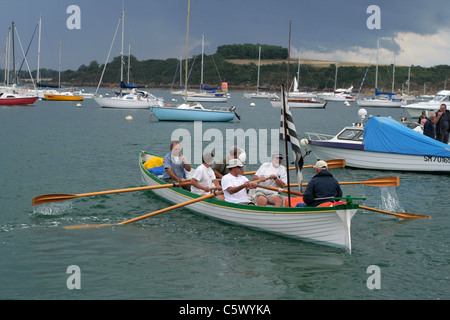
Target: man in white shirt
x,y
272,174
203,178
235,185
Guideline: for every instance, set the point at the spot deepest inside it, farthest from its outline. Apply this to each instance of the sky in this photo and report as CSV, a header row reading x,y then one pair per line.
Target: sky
x,y
411,32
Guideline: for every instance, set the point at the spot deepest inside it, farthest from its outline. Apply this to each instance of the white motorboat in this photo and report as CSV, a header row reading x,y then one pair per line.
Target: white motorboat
x,y
415,109
382,144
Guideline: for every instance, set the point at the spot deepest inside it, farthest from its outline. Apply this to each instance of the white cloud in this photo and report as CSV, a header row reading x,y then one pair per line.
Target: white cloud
x,y
424,50
415,49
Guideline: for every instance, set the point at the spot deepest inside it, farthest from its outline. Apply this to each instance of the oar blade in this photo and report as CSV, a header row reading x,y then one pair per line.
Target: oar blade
x,y
383,182
400,215
336,163
54,197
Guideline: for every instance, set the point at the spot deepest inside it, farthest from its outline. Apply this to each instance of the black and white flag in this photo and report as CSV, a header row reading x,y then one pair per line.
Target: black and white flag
x,y
290,134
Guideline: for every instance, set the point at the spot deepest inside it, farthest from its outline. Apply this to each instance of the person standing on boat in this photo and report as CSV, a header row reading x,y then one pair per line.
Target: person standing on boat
x,y
221,169
429,128
235,185
323,187
272,174
175,164
203,179
442,124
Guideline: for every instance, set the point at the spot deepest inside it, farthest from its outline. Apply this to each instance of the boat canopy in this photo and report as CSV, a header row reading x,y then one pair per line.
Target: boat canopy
x,y
209,88
382,134
129,85
377,93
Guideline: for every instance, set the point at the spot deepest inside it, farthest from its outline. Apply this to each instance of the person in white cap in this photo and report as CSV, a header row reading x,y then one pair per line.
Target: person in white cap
x,y
235,185
272,174
221,168
323,187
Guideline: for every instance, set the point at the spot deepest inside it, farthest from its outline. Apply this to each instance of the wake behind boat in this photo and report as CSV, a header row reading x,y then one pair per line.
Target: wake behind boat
x,y
321,225
382,144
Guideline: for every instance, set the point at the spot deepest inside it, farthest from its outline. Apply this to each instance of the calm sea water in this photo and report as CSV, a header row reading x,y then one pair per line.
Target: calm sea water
x,y
55,147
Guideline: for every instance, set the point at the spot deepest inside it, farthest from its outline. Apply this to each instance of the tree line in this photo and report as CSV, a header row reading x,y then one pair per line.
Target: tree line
x,y
219,67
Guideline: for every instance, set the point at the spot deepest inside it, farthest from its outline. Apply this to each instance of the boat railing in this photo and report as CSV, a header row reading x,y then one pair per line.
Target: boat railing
x,y
318,136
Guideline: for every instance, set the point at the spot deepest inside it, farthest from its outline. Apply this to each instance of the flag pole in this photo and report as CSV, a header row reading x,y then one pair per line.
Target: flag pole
x,y
284,112
286,142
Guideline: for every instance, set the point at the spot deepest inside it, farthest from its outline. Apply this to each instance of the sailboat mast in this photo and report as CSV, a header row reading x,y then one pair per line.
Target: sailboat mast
x,y
59,67
187,49
376,68
14,54
409,77
38,76
259,66
8,53
203,52
393,76
121,52
129,58
335,76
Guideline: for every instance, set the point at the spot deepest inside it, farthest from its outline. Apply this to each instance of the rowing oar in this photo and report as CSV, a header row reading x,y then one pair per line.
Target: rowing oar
x,y
335,163
377,182
85,226
55,197
400,215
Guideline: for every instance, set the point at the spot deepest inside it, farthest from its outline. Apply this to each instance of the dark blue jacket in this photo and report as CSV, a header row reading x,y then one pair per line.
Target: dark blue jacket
x,y
322,185
429,129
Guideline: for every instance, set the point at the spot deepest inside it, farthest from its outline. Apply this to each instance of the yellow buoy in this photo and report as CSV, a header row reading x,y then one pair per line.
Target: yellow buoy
x,y
129,118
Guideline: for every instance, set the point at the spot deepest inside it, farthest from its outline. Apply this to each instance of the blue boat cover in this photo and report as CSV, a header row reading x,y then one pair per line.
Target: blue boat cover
x,y
383,134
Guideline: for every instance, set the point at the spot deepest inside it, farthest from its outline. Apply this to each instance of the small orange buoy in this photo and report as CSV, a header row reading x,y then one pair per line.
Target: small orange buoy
x,y
168,105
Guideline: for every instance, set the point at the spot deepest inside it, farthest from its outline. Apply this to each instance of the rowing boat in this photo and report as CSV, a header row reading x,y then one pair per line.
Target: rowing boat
x,y
321,225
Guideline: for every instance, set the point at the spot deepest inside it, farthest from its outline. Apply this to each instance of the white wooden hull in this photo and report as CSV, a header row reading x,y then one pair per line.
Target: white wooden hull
x,y
326,225
382,161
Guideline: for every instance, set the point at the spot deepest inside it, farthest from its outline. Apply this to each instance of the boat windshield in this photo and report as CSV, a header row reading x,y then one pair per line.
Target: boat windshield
x,y
351,134
441,98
